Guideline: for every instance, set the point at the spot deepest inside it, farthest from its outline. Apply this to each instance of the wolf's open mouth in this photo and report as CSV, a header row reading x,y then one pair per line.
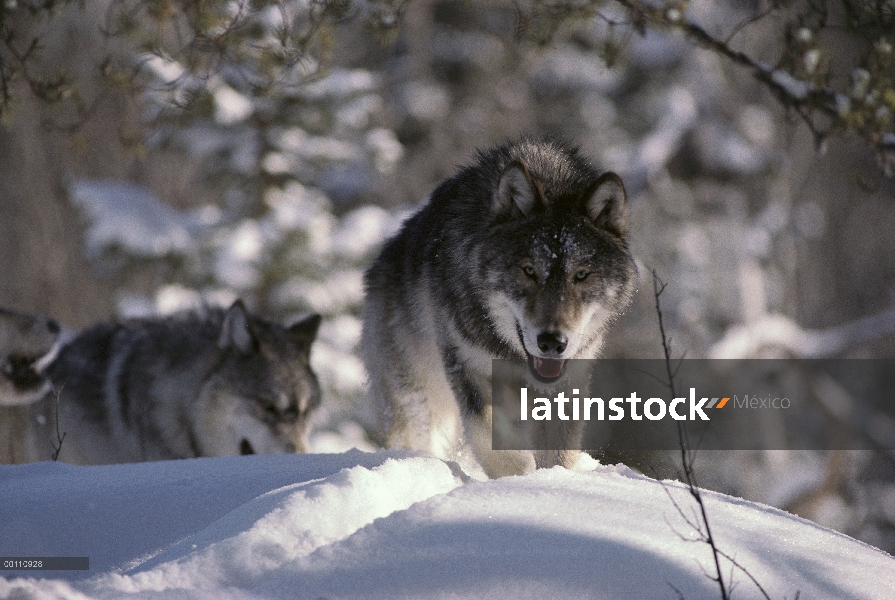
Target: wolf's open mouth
x,y
546,370
20,371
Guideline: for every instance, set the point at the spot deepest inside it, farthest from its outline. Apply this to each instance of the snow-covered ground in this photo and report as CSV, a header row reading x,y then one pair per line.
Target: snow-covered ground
x,y
395,525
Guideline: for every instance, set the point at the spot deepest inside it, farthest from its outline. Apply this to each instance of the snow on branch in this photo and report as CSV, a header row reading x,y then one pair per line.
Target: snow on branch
x,y
866,110
780,332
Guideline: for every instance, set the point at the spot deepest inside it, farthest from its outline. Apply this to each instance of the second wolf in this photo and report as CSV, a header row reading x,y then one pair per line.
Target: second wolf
x,y
521,255
211,383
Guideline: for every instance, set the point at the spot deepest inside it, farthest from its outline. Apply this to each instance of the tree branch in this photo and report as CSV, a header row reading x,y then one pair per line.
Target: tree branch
x,y
806,98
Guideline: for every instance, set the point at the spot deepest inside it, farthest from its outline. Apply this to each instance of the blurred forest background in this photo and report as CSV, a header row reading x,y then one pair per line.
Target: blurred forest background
x,y
159,154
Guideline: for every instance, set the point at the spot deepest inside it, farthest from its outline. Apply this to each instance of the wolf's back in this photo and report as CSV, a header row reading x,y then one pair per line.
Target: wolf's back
x,y
81,369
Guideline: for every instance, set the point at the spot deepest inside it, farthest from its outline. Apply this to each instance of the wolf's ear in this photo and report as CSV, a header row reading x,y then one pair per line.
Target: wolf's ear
x,y
517,194
304,332
236,330
607,205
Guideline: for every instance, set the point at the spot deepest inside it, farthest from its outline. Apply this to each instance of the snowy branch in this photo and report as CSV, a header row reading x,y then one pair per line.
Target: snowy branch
x,y
809,99
782,333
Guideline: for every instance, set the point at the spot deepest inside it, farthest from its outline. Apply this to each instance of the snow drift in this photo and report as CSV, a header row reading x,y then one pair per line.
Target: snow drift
x,y
399,525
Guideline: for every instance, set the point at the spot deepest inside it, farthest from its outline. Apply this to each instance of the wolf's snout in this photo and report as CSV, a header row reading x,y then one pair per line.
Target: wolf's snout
x,y
552,343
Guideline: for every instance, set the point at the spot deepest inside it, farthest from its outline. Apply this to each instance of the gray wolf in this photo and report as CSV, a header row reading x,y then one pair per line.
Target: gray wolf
x,y
522,254
27,344
214,382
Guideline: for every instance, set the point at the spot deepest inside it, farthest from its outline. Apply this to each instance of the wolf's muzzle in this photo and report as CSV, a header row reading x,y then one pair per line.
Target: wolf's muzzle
x,y
552,343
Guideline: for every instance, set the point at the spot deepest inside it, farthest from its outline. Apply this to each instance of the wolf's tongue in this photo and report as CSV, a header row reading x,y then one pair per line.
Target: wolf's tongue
x,y
548,368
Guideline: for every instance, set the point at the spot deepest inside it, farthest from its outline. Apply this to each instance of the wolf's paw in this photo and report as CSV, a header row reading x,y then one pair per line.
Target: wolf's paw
x,y
585,462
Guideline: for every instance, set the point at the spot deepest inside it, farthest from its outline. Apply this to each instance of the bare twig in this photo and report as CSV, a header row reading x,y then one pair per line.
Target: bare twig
x,y
687,455
749,21
699,522
746,572
57,443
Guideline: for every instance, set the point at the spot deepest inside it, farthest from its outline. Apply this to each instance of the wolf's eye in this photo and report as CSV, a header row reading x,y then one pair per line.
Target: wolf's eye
x,y
529,270
581,274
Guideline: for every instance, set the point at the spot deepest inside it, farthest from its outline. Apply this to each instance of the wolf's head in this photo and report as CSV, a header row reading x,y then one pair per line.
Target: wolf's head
x,y
260,394
27,344
556,263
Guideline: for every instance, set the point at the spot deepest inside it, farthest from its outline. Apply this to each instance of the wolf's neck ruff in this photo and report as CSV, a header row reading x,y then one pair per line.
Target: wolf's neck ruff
x,y
521,253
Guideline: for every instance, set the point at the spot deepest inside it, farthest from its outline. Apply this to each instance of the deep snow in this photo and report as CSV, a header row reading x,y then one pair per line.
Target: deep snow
x,y
396,525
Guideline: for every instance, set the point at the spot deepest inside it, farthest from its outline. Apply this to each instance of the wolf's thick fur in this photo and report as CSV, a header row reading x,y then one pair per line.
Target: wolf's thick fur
x,y
215,383
521,255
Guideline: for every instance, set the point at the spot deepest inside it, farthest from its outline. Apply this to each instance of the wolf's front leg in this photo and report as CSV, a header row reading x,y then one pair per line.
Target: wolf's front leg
x,y
424,420
495,463
563,438
569,459
472,391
